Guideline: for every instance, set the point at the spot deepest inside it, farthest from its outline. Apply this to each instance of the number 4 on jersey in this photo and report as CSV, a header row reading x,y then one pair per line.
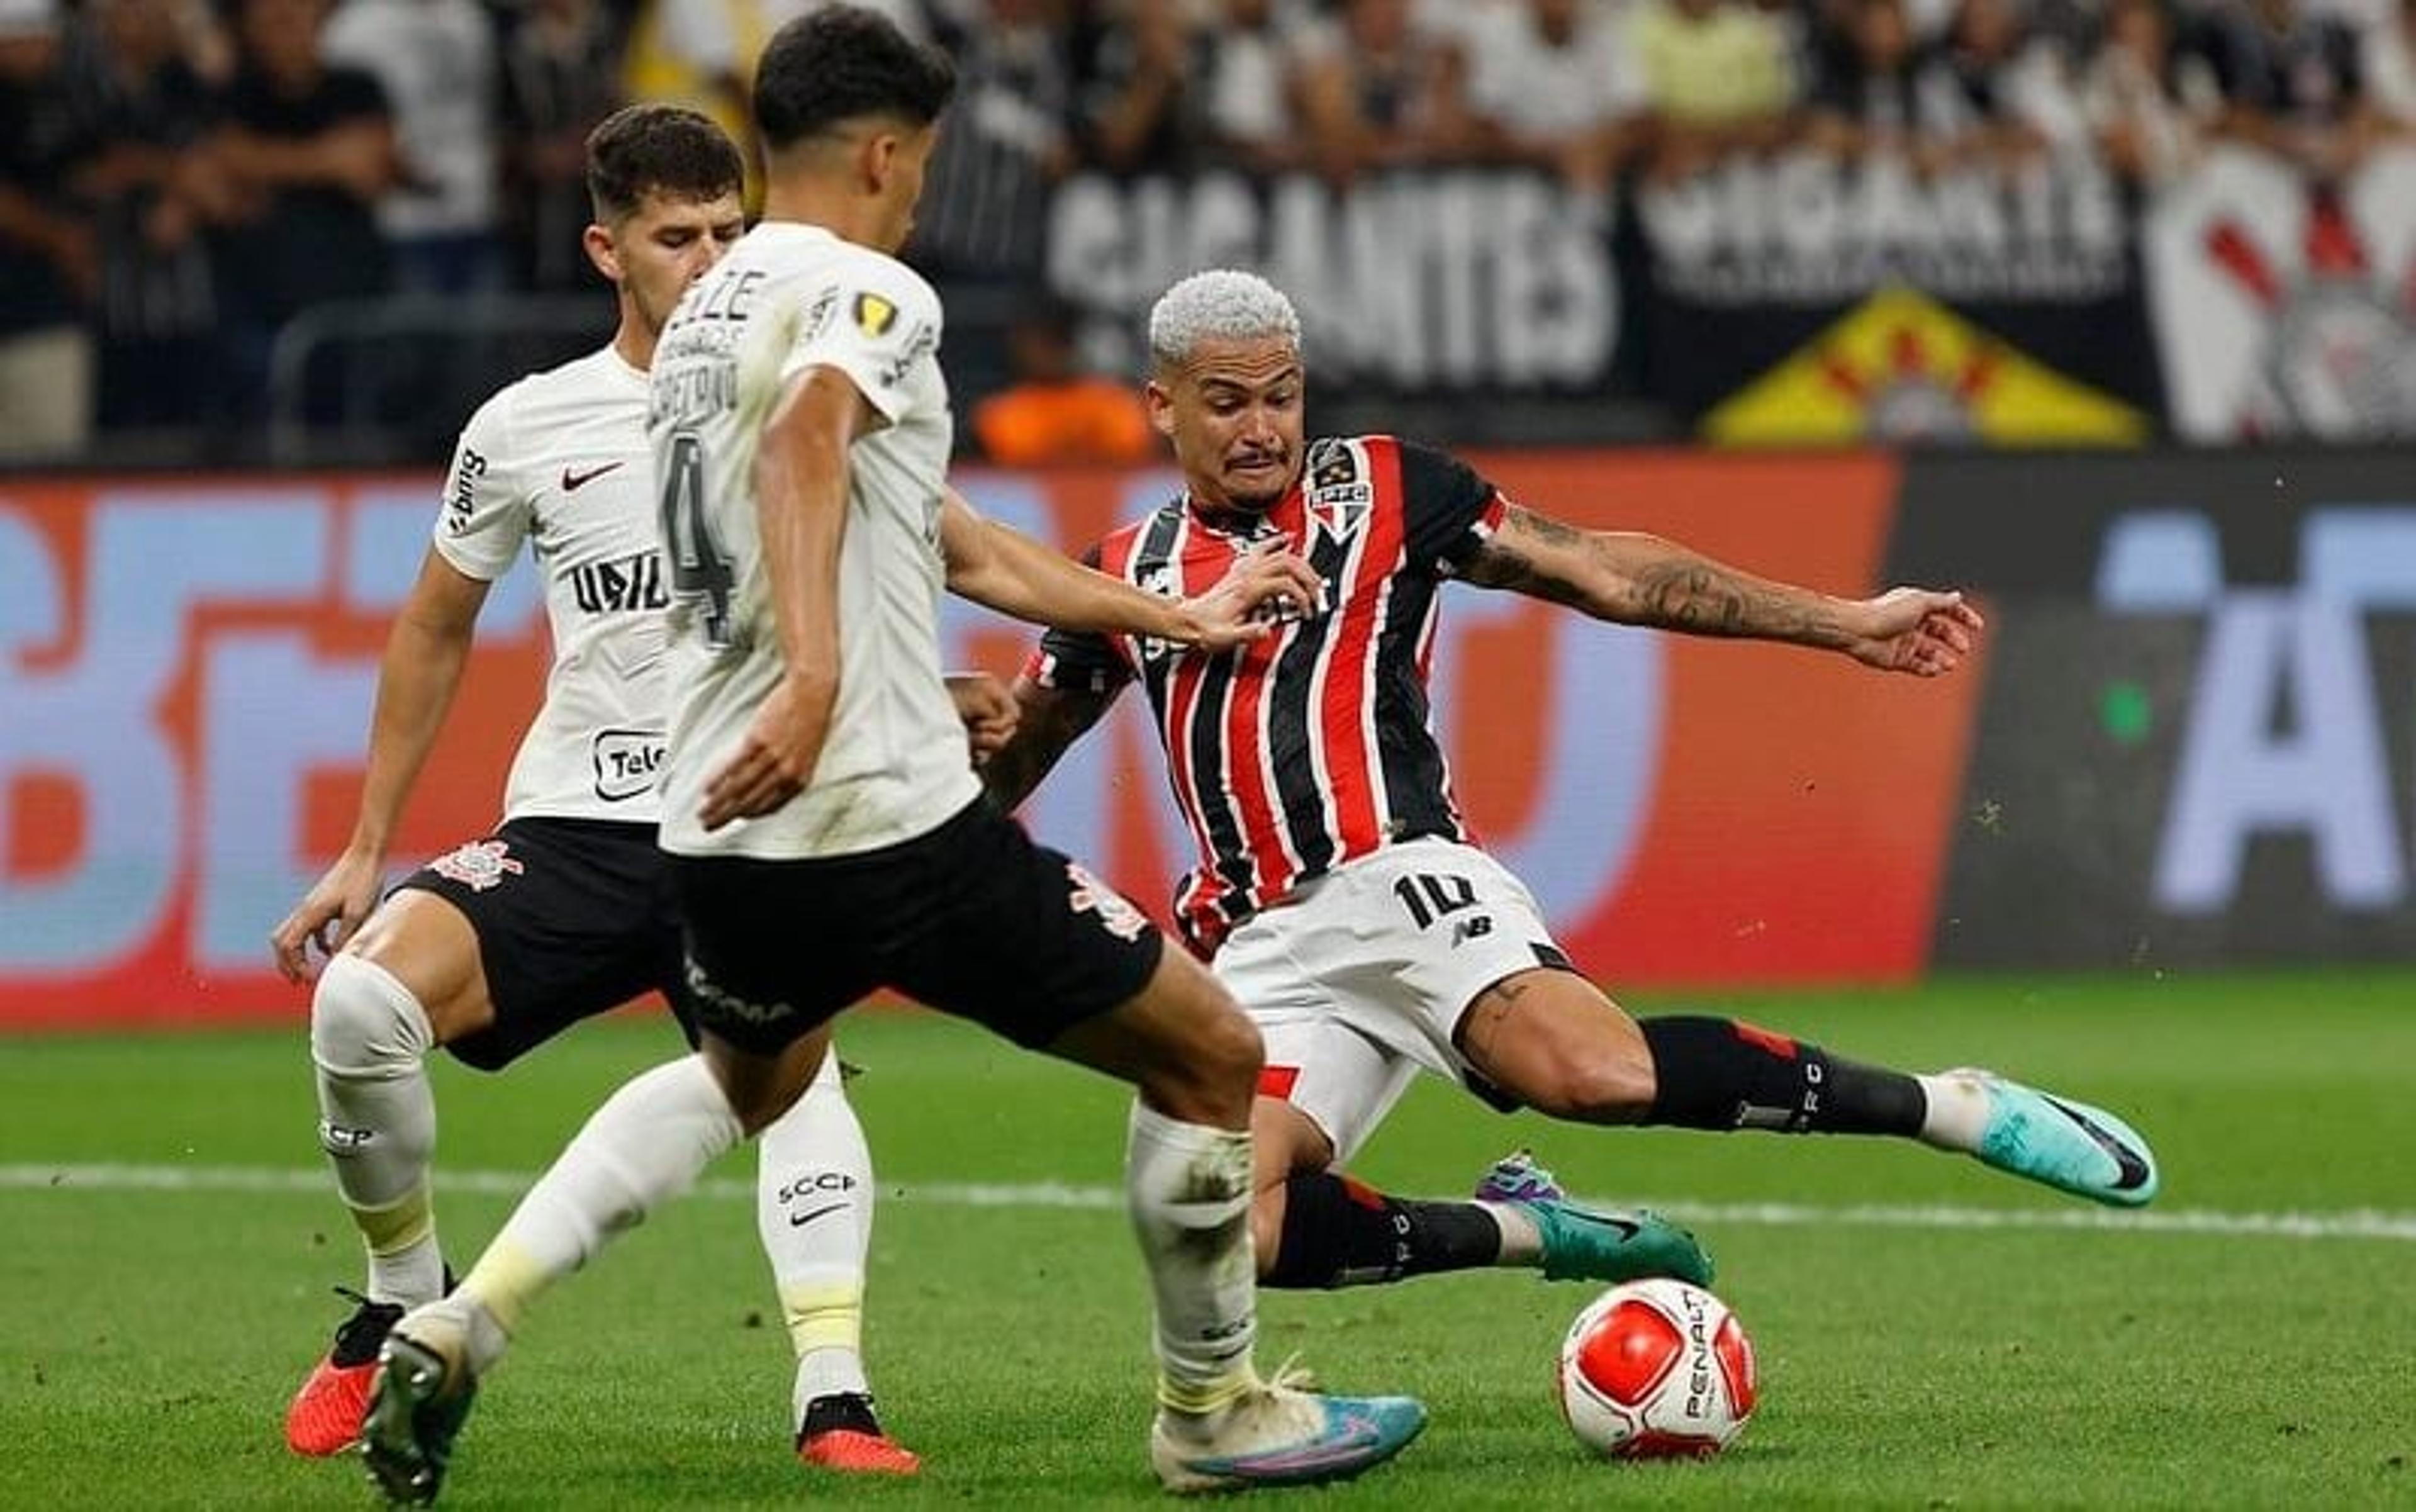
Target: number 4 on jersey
x,y
700,570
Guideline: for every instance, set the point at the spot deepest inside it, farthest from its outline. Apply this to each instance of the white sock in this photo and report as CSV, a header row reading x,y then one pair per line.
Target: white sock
x,y
1958,1111
1188,1186
813,1207
370,1040
1522,1243
646,1145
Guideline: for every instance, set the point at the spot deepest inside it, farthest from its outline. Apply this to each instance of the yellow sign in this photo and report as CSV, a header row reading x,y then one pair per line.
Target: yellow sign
x,y
1902,367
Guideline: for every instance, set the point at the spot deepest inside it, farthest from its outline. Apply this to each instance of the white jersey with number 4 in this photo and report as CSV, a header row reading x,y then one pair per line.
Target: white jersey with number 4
x,y
558,461
788,298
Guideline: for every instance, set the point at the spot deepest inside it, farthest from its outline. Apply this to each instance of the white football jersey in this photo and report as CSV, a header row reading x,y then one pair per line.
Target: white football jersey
x,y
788,298
559,461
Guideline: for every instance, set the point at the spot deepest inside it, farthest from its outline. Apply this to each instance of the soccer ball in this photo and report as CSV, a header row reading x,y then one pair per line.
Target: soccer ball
x,y
1657,1369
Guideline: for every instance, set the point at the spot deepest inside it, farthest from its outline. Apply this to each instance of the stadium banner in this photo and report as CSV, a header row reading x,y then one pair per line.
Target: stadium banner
x,y
1901,366
2286,305
187,672
1409,283
1789,276
2198,745
185,677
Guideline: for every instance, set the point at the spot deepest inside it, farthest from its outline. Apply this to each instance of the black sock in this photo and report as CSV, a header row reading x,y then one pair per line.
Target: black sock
x,y
1717,1073
1338,1232
849,1410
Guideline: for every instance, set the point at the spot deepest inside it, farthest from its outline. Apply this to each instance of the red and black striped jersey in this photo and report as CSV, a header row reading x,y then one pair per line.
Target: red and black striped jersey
x,y
1310,747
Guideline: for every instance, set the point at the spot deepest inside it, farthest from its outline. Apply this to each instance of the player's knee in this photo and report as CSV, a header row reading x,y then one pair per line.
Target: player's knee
x,y
366,1024
1610,1087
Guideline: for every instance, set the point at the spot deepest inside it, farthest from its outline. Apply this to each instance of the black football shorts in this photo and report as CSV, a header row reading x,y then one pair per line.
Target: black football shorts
x,y
972,918
574,917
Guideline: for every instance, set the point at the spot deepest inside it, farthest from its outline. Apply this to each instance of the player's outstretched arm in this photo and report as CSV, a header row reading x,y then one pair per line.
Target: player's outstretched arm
x,y
1007,570
801,483
1048,721
425,653
1633,578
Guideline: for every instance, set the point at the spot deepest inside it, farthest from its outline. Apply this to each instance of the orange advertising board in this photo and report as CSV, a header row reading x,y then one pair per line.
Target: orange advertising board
x,y
187,670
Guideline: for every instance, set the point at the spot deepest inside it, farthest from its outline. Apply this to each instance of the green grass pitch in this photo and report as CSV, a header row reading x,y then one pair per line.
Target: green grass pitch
x,y
1930,1334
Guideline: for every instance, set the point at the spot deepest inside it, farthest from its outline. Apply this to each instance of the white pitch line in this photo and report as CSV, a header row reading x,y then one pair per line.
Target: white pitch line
x,y
2353,1223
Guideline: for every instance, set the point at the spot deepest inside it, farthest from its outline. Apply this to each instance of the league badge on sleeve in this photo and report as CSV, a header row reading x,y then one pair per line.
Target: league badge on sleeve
x,y
875,316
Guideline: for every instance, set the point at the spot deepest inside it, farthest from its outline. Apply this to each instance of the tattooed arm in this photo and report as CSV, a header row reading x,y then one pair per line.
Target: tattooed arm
x,y
1631,579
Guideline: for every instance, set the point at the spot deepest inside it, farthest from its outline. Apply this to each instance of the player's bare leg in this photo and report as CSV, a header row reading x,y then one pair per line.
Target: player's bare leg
x,y
1554,1041
1315,1228
1194,1060
411,980
1284,1142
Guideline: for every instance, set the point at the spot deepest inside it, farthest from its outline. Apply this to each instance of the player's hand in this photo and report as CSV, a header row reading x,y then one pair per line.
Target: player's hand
x,y
988,710
328,914
775,760
1267,585
1916,631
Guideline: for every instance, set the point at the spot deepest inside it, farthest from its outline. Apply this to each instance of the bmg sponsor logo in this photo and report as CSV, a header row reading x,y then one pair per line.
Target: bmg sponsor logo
x,y
462,492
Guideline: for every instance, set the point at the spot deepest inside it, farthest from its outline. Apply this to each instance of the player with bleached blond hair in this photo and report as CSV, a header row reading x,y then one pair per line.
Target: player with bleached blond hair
x,y
1338,891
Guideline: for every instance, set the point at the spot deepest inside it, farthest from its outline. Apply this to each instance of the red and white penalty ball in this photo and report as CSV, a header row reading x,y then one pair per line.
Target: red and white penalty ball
x,y
1657,1369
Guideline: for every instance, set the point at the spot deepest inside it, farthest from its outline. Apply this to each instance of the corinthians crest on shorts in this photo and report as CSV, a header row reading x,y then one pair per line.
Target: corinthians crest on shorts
x,y
1087,894
478,865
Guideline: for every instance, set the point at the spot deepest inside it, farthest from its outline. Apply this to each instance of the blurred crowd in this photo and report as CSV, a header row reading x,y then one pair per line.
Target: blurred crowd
x,y
178,178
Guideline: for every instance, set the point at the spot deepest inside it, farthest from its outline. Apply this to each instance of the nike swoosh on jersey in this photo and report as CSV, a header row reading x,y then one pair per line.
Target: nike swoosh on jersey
x,y
572,481
798,1221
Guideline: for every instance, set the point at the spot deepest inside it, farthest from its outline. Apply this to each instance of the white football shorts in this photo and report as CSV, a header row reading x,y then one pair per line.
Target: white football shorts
x,y
1358,980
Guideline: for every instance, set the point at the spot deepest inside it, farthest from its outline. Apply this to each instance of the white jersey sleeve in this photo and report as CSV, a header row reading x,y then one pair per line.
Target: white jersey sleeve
x,y
487,510
873,322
